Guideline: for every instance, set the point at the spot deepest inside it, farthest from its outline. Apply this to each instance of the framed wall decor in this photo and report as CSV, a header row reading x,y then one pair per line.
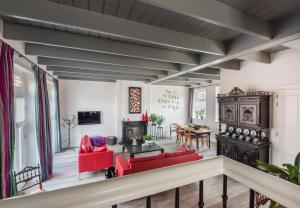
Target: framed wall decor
x,y
228,112
248,114
135,100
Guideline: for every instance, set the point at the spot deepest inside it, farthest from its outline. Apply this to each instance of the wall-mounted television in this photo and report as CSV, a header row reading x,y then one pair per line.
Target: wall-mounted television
x,y
89,117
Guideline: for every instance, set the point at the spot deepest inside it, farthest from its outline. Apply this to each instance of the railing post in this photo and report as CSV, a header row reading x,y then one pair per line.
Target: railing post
x,y
224,196
201,202
251,202
177,198
148,202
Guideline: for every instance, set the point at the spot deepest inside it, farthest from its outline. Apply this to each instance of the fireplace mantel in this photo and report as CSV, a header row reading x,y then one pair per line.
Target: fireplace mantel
x,y
133,129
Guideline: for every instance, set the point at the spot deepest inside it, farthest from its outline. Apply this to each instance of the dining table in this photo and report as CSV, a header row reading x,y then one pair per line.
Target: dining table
x,y
200,133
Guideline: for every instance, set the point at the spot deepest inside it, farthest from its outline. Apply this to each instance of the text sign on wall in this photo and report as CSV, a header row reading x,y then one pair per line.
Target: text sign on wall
x,y
170,100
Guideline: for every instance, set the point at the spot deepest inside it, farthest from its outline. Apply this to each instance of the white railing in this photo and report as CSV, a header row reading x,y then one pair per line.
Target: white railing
x,y
118,190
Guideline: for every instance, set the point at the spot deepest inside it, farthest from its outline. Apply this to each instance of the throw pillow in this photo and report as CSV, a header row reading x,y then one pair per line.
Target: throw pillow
x,y
86,144
97,141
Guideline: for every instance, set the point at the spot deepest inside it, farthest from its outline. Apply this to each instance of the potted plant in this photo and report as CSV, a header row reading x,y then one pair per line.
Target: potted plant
x,y
148,139
160,120
289,172
200,114
153,118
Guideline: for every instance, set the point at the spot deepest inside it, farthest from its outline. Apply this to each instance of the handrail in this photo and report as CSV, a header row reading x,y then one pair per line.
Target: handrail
x,y
122,189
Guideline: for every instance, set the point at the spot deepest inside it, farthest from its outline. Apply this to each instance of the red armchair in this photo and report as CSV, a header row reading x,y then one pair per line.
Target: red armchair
x,y
94,160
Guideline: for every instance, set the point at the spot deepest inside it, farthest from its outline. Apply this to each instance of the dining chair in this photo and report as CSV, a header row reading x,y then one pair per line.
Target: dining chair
x,y
188,135
179,134
204,136
173,129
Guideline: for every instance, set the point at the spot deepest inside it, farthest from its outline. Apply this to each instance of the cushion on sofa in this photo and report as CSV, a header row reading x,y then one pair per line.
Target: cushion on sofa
x,y
182,147
98,140
100,148
86,144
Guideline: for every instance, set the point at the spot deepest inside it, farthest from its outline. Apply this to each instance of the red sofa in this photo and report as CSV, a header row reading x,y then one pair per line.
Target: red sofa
x,y
136,165
94,161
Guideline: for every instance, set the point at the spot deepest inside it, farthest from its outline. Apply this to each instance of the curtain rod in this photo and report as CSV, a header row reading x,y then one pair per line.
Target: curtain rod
x,y
28,60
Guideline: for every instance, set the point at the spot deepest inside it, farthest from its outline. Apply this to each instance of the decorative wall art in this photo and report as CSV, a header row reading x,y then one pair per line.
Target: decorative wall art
x,y
170,100
228,112
248,114
135,100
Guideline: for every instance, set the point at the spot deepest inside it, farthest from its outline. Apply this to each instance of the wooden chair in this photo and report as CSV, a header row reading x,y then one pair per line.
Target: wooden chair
x,y
23,178
204,137
188,135
173,129
179,134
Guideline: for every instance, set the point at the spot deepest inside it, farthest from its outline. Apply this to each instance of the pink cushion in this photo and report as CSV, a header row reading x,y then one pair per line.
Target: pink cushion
x,y
86,144
101,148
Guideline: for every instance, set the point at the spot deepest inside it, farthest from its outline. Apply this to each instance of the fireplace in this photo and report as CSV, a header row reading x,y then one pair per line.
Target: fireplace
x,y
133,129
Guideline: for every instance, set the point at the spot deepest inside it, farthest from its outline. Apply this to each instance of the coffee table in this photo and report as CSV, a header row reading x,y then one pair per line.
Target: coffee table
x,y
137,149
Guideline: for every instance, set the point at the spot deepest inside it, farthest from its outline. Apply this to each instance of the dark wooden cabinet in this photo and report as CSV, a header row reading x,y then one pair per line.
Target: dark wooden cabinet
x,y
244,111
242,151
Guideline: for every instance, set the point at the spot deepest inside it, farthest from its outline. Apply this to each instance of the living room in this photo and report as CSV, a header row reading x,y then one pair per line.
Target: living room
x,y
120,108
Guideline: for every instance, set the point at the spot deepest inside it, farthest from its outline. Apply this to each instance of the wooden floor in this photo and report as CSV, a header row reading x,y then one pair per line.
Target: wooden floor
x,y
65,174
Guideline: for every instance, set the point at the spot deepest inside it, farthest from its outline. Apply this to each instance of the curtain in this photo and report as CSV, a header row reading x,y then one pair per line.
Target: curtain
x,y
7,98
191,101
43,124
58,127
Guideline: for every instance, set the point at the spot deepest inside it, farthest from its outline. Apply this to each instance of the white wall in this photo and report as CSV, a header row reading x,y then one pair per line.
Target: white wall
x,y
283,71
88,96
210,111
179,115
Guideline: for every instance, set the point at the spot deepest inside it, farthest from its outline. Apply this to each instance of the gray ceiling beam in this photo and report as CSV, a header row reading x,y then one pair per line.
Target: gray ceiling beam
x,y
83,42
231,65
52,63
53,13
91,76
218,13
284,31
198,76
98,72
260,57
85,79
209,71
81,55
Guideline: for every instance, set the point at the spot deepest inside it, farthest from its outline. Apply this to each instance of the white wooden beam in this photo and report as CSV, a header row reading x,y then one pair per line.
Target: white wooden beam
x,y
53,64
295,44
53,13
99,72
261,57
198,76
217,13
76,41
81,55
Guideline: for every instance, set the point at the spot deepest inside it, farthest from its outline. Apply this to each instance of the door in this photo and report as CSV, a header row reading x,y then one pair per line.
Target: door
x,y
287,144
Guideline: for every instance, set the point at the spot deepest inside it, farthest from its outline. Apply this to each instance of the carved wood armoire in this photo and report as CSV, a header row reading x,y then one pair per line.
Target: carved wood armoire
x,y
246,116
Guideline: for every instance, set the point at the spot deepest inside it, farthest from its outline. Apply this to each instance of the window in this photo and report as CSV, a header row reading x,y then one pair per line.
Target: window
x,y
217,90
26,151
199,104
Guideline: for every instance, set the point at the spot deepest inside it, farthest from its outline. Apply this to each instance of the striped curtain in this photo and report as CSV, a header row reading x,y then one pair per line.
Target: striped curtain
x,y
58,142
7,142
191,101
43,124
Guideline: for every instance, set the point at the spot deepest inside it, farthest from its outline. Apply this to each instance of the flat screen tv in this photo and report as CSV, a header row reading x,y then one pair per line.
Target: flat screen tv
x,y
89,117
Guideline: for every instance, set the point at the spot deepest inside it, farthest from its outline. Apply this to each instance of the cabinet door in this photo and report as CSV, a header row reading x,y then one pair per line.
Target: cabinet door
x,y
228,112
227,149
248,113
246,156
